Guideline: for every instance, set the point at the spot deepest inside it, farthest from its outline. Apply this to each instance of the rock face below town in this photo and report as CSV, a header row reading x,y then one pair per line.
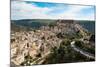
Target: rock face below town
x,y
34,46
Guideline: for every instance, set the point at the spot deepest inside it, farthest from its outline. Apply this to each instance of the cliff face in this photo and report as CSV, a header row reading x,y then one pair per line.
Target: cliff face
x,y
34,46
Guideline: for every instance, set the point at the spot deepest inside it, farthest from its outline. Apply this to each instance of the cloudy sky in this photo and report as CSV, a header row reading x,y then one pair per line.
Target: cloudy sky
x,y
43,10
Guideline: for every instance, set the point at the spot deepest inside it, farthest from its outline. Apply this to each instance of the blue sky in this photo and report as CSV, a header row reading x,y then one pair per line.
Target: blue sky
x,y
44,10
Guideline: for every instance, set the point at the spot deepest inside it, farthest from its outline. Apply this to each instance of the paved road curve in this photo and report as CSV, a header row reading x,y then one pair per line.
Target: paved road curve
x,y
89,55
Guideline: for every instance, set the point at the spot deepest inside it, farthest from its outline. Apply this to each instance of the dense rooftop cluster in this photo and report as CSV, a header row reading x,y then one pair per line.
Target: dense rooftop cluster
x,y
32,43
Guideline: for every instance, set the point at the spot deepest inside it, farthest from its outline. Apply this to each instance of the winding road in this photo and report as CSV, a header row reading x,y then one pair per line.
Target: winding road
x,y
89,55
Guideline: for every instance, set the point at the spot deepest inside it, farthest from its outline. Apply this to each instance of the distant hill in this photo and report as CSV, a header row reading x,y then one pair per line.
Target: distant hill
x,y
32,23
18,28
37,23
89,25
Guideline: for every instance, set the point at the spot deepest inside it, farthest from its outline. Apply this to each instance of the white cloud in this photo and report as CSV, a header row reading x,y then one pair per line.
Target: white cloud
x,y
74,13
23,10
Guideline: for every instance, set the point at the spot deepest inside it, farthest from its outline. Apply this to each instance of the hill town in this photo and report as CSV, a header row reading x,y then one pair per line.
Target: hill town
x,y
63,42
